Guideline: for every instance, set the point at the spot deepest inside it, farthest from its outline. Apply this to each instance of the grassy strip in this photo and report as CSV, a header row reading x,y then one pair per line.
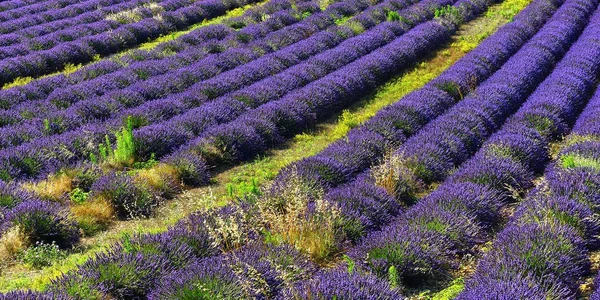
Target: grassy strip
x,y
248,178
70,68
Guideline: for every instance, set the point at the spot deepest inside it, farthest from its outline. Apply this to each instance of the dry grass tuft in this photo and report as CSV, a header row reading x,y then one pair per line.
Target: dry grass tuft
x,y
162,178
12,242
397,179
298,215
54,188
94,215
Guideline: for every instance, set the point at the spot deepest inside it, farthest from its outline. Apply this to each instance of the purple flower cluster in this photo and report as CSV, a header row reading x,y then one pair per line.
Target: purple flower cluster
x,y
79,44
341,284
46,30
11,10
42,221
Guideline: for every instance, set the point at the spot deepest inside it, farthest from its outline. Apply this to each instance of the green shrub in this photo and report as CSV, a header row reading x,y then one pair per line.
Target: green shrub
x,y
41,255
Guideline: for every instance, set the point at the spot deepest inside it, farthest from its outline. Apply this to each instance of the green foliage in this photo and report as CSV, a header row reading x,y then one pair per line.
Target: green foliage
x,y
209,288
243,188
451,88
353,229
41,255
8,201
47,128
17,82
351,264
342,20
447,11
356,27
577,161
125,149
541,124
393,277
151,162
78,196
4,175
393,15
124,152
457,286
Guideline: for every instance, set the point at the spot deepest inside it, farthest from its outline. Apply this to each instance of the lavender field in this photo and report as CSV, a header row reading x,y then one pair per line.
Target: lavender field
x,y
300,149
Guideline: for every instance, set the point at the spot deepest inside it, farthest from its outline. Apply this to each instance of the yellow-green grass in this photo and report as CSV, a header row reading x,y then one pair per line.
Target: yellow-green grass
x,y
70,68
249,177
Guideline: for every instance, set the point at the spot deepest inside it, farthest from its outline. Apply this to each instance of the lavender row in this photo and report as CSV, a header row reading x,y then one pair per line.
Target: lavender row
x,y
256,129
139,91
16,9
460,213
450,139
194,113
31,26
402,180
82,51
543,251
365,145
223,82
101,78
143,75
14,5
196,231
50,34
207,38
193,122
186,76
80,134
177,264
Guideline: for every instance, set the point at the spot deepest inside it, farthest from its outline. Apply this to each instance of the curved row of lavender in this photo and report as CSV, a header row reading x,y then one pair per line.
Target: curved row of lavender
x,y
368,204
182,262
101,77
389,128
110,37
193,84
423,244
543,251
148,90
13,158
23,31
112,184
14,9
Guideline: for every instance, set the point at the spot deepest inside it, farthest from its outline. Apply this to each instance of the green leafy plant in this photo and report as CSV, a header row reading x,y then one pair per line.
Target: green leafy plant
x,y
393,277
393,15
78,195
41,255
351,264
447,11
124,152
